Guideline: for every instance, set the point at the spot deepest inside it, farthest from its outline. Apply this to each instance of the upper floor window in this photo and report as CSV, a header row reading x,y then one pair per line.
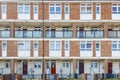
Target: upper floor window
x,y
24,8
3,8
116,46
4,45
24,45
35,8
55,9
55,45
37,64
66,45
97,46
116,8
86,8
66,9
85,46
36,45
98,9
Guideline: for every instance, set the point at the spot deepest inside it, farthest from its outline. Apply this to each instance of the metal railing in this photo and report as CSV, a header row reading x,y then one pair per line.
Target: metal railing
x,y
114,34
4,34
28,34
59,34
90,34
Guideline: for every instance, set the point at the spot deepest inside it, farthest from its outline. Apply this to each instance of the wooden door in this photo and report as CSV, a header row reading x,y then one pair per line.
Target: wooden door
x,y
25,67
53,67
81,67
110,68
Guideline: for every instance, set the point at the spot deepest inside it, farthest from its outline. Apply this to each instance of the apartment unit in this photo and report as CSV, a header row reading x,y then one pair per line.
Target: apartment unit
x,y
80,36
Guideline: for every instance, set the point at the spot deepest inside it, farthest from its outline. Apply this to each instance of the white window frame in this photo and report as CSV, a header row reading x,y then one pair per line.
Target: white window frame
x,y
4,49
98,49
67,48
55,6
66,6
65,64
117,6
98,6
35,6
85,43
117,43
4,5
37,64
83,5
94,64
25,46
24,11
8,64
35,42
55,43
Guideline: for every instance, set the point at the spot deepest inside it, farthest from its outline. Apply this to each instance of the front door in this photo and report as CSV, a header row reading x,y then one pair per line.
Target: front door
x,y
110,68
25,66
81,67
53,67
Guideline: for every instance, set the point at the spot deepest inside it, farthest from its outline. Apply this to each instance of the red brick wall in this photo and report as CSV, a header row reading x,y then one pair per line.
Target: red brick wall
x,y
74,11
31,48
94,11
11,10
63,14
94,49
63,48
106,11
12,49
74,48
106,49
0,48
31,10
0,10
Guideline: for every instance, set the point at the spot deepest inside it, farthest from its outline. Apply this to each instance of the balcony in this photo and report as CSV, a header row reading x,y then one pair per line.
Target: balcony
x,y
59,34
28,34
4,34
90,34
114,34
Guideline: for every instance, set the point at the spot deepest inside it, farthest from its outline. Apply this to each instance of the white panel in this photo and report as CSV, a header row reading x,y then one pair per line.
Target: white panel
x,y
3,15
18,67
35,53
23,53
98,54
98,16
24,16
66,16
115,67
36,16
66,53
86,16
6,71
87,67
4,53
86,54
115,54
55,54
55,16
115,16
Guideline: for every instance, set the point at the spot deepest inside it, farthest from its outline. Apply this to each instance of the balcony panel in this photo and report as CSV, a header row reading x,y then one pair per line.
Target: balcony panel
x,y
80,34
5,34
27,34
67,34
89,34
99,34
59,34
37,34
18,34
112,34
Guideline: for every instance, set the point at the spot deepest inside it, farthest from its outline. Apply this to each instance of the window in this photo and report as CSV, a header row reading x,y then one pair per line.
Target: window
x,y
35,8
85,46
116,8
23,45
3,8
65,64
7,64
66,9
47,65
66,45
55,45
37,64
97,46
24,8
55,9
86,9
4,45
98,9
116,46
35,45
94,64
